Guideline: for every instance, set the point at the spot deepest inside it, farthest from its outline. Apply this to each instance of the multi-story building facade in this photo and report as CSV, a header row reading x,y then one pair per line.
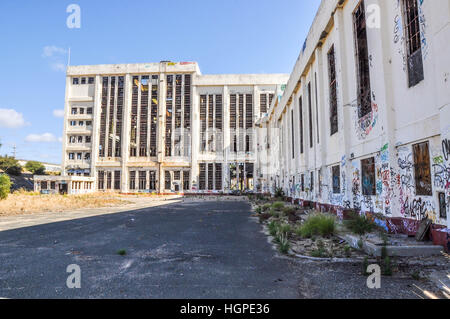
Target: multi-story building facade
x,y
364,122
163,127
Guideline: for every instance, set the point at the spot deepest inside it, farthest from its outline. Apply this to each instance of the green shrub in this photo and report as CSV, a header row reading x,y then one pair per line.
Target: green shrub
x,y
319,224
289,210
279,193
320,252
122,252
266,207
359,224
283,243
278,206
273,228
5,186
10,165
365,265
35,167
258,210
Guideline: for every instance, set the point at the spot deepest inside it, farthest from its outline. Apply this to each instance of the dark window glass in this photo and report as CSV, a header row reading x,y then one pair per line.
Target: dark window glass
x,y
368,176
336,175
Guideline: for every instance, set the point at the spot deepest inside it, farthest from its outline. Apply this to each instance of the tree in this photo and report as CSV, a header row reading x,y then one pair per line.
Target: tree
x,y
35,167
10,165
5,186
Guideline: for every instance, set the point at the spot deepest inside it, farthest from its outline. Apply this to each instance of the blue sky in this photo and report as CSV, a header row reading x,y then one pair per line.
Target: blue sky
x,y
232,36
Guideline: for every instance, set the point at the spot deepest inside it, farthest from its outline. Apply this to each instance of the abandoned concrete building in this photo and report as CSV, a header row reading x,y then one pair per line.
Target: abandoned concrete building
x,y
162,128
362,122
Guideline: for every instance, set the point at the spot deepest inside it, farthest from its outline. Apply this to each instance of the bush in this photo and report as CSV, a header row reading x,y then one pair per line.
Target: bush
x,y
266,207
35,167
278,206
5,186
359,224
279,192
320,252
319,224
289,210
258,210
10,165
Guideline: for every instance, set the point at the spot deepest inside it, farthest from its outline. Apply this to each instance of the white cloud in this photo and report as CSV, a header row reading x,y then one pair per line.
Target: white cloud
x,y
58,113
52,50
58,66
9,118
60,139
43,138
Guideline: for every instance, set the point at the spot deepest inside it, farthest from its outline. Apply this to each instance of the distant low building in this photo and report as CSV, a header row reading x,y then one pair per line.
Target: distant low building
x,y
54,168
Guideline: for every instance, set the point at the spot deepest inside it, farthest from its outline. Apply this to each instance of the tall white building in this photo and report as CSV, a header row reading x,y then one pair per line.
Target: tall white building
x,y
163,127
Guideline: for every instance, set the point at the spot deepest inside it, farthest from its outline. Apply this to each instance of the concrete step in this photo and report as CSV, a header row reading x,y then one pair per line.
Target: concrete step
x,y
370,248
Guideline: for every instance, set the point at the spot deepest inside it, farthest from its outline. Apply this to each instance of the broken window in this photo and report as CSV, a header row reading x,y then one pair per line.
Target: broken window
x,y
132,180
186,179
53,185
203,115
83,80
311,182
202,177
336,176
44,185
142,180
88,139
249,173
169,111
117,180
152,180
292,134
101,180
422,169
218,177
74,111
311,137
87,156
233,121
413,42
333,91
362,60
368,177
108,180
134,115
89,110
317,108
104,106
300,102
210,176
167,180
71,156
263,103
302,182
75,81
91,80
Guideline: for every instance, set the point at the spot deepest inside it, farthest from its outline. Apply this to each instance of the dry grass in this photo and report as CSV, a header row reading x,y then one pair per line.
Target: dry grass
x,y
22,202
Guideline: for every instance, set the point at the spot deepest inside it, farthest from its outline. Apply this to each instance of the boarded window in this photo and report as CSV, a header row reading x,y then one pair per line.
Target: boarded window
x,y
413,42
336,176
362,60
368,176
333,91
442,205
422,169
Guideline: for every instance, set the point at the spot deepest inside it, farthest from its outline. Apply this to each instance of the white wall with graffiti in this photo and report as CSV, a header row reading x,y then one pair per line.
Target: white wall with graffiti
x,y
393,159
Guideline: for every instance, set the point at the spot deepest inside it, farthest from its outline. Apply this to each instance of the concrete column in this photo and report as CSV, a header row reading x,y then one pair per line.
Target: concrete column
x,y
126,133
195,135
66,117
95,139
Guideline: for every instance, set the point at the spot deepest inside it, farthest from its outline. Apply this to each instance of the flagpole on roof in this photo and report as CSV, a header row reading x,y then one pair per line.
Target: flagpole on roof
x,y
68,59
